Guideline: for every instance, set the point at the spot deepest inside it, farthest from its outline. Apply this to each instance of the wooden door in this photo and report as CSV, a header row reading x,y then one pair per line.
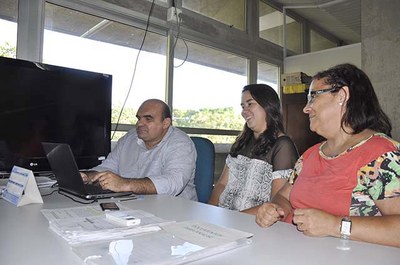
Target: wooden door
x,y
296,122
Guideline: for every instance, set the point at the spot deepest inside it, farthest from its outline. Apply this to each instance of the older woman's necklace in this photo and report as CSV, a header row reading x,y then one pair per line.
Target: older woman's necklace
x,y
347,146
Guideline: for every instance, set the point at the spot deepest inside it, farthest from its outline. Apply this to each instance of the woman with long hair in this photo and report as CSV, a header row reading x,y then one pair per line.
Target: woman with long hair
x,y
262,157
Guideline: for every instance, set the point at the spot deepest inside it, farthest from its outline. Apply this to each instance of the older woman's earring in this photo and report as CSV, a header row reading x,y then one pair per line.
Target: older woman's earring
x,y
340,103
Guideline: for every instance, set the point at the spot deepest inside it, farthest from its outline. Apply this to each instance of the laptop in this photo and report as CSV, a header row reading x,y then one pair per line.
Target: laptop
x,y
69,179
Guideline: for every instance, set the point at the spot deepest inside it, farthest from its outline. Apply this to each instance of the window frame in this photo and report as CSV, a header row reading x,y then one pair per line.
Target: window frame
x,y
242,43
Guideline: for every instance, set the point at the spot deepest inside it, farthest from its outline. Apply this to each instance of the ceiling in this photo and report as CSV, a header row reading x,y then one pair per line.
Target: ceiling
x,y
341,18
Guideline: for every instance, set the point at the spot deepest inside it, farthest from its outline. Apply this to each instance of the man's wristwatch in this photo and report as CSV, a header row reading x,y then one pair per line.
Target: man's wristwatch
x,y
345,228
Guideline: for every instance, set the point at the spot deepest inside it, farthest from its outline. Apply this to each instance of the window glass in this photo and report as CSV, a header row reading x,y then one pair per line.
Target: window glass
x,y
318,42
268,74
230,12
207,88
78,40
8,28
271,28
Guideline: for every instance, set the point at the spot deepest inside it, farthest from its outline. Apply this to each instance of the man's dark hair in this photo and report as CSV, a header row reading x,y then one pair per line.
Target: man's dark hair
x,y
166,111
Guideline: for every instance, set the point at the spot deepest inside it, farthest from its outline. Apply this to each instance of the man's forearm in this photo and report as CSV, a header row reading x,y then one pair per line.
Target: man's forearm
x,y
141,186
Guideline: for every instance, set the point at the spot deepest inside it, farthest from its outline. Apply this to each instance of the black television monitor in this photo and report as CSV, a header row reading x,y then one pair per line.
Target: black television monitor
x,y
46,103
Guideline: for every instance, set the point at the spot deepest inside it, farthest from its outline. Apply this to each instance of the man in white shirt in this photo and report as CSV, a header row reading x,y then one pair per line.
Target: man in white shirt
x,y
154,158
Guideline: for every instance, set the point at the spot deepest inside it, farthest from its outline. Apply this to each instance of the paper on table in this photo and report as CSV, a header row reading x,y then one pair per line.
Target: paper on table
x,y
74,212
88,223
205,234
44,182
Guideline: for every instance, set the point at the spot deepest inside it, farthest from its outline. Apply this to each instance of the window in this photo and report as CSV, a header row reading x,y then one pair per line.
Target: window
x,y
8,28
271,28
207,89
268,74
77,40
207,81
230,12
318,42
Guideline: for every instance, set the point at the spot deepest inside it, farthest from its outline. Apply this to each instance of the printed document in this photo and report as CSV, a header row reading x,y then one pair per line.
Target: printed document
x,y
89,223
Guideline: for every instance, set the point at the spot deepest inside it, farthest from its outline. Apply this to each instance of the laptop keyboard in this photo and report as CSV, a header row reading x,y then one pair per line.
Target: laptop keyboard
x,y
95,189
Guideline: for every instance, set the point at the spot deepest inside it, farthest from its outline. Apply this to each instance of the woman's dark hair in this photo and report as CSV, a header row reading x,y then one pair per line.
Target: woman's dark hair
x,y
268,99
363,110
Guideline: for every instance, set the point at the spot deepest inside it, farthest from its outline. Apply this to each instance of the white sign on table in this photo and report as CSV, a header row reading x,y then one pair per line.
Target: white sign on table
x,y
21,188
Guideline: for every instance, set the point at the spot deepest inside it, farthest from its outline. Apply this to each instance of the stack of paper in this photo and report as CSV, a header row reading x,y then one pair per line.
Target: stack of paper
x,y
99,240
45,182
89,223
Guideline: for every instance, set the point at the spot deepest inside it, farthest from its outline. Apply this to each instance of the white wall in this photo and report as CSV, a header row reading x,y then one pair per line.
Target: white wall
x,y
311,63
380,53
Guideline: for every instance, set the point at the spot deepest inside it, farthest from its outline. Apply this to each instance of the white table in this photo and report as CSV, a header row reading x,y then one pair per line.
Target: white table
x,y
26,238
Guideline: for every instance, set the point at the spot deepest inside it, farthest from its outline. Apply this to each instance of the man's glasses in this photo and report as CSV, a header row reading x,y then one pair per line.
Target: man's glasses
x,y
313,93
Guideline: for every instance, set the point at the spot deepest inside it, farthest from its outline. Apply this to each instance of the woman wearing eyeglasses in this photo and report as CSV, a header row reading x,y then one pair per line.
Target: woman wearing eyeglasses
x,y
262,157
348,186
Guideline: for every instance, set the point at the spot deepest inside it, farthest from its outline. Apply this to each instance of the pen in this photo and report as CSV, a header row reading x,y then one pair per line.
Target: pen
x,y
133,197
128,199
90,221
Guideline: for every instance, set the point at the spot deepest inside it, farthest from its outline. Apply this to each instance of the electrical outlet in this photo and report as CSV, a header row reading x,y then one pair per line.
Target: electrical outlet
x,y
173,14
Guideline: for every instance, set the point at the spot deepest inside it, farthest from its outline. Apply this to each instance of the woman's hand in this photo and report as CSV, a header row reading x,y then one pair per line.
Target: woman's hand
x,y
316,223
268,214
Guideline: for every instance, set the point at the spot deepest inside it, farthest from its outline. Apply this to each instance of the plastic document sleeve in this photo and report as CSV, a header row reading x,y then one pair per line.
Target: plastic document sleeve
x,y
176,243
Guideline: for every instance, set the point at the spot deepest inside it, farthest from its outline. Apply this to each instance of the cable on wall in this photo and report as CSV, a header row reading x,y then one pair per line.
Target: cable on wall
x,y
134,68
179,22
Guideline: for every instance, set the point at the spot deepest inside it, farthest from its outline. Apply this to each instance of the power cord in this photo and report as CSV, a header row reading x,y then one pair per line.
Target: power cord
x,y
48,194
179,22
134,69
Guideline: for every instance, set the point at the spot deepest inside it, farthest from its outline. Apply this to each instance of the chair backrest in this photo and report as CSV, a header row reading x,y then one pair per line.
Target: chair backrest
x,y
205,163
